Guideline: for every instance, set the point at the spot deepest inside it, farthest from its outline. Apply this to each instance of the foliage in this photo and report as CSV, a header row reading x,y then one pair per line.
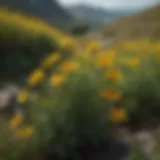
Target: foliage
x,y
142,24
79,29
49,11
77,115
77,93
99,87
16,140
74,106
24,41
137,155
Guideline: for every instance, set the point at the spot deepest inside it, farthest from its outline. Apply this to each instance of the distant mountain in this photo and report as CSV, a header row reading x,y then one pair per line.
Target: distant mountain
x,y
145,23
48,10
95,15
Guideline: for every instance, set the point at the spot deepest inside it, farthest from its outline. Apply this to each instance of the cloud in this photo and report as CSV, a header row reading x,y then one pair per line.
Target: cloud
x,y
113,3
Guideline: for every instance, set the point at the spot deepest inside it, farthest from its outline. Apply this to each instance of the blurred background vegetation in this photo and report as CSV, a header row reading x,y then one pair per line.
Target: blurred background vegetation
x,y
81,73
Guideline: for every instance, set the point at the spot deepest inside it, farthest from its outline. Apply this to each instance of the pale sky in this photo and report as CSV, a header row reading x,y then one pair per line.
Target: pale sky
x,y
112,3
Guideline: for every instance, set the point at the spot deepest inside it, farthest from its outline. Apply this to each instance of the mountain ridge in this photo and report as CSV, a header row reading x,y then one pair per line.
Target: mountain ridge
x,y
97,14
145,23
48,10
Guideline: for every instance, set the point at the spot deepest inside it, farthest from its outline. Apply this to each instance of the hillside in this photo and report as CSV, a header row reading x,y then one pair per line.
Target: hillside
x,y
97,16
24,41
48,10
146,23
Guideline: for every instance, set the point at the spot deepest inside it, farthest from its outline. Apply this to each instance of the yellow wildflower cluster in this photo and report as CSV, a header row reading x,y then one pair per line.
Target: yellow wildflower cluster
x,y
106,59
50,60
93,47
36,77
24,133
16,121
21,133
117,114
111,94
23,96
131,54
68,44
69,66
110,61
114,75
57,79
129,45
131,62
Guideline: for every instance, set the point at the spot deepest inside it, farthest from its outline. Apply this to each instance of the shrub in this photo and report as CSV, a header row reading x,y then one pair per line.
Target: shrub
x,y
72,106
75,101
141,92
109,33
77,115
16,140
79,29
24,41
136,62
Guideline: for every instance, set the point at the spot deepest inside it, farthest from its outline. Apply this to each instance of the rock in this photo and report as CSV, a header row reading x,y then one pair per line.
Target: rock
x,y
118,150
8,96
124,134
111,150
146,142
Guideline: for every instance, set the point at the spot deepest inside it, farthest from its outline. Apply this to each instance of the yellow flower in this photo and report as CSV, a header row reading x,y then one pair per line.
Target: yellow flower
x,y
131,62
130,45
134,62
69,66
156,48
93,47
111,94
117,115
57,79
16,121
23,96
106,59
50,59
67,43
114,75
24,133
36,77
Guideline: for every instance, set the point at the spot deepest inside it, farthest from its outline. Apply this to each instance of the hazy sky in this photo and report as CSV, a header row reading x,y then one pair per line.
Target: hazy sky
x,y
112,3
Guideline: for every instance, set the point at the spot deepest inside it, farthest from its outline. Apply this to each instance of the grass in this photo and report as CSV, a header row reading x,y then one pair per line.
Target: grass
x,y
143,24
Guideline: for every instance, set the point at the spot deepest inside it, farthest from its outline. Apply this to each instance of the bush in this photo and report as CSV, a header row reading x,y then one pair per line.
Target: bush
x,y
72,107
79,29
24,41
16,140
79,101
96,88
141,92
137,62
77,116
109,33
